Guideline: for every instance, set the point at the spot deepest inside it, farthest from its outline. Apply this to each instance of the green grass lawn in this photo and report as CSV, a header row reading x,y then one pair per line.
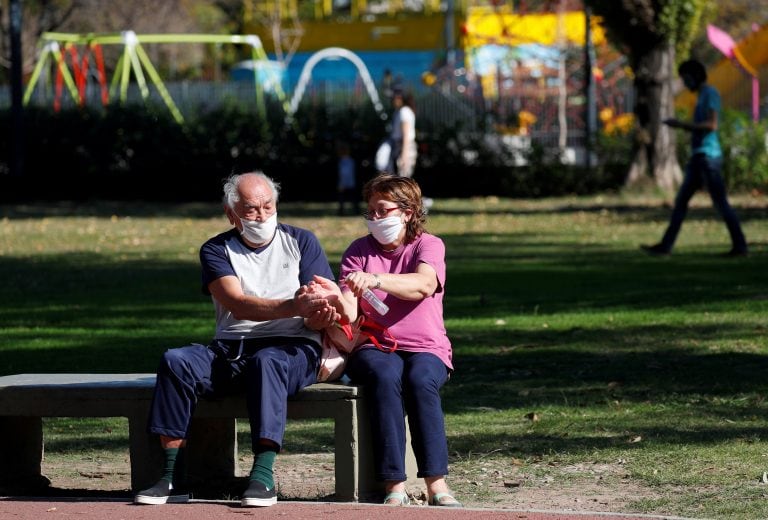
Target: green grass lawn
x,y
581,363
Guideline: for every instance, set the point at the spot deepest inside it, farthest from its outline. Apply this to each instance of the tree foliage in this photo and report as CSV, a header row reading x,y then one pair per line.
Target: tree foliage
x,y
639,25
654,34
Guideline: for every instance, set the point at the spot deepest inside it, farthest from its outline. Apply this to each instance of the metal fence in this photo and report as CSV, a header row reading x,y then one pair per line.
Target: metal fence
x,y
436,107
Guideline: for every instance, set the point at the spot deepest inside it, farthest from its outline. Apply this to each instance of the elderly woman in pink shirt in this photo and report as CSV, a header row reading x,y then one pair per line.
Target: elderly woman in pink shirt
x,y
405,267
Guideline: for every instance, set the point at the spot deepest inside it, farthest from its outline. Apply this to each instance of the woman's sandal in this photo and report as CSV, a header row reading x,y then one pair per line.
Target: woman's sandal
x,y
444,500
401,499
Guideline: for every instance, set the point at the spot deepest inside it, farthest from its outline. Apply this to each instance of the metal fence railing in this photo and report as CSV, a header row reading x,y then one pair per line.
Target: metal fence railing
x,y
436,108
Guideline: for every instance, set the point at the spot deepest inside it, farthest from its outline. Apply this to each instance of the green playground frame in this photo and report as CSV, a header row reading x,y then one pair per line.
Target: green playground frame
x,y
133,60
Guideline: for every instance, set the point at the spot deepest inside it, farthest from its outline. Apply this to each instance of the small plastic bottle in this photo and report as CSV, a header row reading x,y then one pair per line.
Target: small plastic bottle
x,y
375,302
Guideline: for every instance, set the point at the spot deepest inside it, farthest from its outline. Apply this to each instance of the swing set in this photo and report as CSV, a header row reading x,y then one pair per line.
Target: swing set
x,y
77,50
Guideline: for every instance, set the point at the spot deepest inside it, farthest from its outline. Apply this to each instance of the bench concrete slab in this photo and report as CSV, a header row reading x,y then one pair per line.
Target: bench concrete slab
x,y
212,446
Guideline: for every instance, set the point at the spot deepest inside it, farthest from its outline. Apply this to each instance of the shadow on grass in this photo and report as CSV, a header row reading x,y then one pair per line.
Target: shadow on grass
x,y
489,277
196,210
304,209
600,366
535,444
630,212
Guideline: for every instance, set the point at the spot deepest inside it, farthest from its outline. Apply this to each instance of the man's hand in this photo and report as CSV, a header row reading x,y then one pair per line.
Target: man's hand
x,y
307,302
320,319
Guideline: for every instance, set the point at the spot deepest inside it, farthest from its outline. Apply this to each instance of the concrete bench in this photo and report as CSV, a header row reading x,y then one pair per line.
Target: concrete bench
x,y
212,445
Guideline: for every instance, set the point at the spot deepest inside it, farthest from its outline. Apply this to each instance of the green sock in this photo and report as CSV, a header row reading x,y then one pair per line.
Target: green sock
x,y
180,469
263,462
170,463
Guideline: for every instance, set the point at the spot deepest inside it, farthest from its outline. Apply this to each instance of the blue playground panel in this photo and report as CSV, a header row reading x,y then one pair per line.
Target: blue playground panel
x,y
406,67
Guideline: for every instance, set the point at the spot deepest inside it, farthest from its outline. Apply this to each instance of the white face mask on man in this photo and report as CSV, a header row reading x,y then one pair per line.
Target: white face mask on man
x,y
385,230
257,232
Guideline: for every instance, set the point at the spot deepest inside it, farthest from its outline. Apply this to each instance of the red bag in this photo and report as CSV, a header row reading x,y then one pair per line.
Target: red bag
x,y
340,341
346,338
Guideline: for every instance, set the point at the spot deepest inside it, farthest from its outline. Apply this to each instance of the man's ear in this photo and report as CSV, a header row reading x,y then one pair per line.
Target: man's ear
x,y
231,215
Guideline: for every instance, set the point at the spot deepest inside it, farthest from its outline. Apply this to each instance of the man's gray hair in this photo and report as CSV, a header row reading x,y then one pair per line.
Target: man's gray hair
x,y
231,194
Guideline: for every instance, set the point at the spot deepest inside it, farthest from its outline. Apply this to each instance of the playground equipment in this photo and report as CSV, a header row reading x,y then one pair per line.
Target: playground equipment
x,y
328,53
523,59
485,61
134,59
749,55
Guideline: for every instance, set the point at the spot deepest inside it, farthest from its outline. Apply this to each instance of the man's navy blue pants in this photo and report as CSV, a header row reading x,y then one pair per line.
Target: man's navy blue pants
x,y
268,370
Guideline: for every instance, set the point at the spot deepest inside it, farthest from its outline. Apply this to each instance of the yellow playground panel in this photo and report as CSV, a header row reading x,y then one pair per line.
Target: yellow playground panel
x,y
376,34
485,26
471,27
488,27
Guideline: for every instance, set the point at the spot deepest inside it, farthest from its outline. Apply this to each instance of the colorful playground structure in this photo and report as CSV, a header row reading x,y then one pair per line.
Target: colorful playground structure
x,y
745,59
487,53
526,68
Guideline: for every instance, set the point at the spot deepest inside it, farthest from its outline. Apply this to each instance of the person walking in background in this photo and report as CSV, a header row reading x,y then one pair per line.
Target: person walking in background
x,y
705,165
347,179
402,137
405,266
266,343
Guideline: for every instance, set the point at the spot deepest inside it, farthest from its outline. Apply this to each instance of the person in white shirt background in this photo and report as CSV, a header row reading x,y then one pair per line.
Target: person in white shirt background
x,y
402,159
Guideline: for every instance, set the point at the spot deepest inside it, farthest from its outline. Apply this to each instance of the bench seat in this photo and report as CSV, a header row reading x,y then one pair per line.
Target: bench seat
x,y
212,445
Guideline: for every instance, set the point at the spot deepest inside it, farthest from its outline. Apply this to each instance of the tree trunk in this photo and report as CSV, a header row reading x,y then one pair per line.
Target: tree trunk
x,y
655,145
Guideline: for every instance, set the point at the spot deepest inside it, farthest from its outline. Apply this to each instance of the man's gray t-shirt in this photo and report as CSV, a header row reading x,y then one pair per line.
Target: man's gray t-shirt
x,y
274,271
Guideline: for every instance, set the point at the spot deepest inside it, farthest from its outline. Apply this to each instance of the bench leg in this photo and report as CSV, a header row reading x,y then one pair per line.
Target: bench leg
x,y
211,456
212,450
347,459
146,454
21,451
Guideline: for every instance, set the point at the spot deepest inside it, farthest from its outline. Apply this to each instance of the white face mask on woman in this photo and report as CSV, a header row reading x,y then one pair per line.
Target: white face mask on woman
x,y
385,230
257,232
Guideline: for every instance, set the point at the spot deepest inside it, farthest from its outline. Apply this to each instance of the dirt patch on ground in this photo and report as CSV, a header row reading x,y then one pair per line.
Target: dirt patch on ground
x,y
588,488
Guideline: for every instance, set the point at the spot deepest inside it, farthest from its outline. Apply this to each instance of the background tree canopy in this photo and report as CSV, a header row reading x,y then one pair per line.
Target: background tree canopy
x,y
654,35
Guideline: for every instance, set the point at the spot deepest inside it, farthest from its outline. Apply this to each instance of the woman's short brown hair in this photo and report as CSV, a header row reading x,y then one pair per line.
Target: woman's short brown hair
x,y
406,193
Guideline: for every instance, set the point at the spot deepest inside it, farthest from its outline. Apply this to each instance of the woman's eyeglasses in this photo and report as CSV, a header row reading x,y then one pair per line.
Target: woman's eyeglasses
x,y
379,213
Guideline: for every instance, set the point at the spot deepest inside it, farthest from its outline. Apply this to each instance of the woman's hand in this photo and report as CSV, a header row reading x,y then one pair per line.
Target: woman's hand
x,y
326,288
414,286
346,311
359,281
